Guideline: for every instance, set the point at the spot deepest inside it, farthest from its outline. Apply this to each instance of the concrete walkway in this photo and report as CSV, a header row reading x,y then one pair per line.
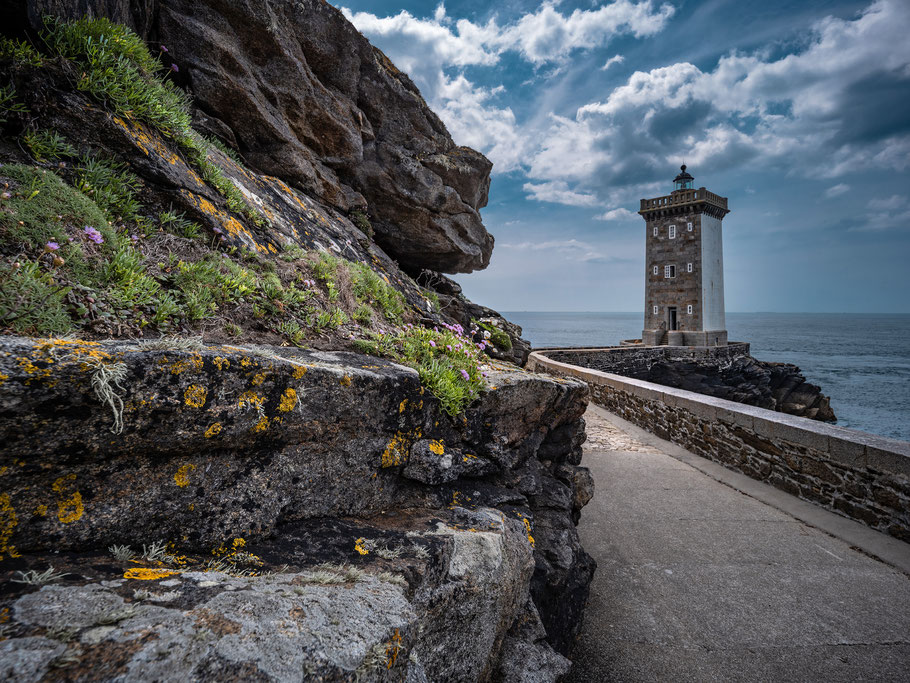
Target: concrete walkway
x,y
699,581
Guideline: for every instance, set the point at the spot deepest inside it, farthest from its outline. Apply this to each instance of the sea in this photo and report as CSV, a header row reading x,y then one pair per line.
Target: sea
x,y
862,361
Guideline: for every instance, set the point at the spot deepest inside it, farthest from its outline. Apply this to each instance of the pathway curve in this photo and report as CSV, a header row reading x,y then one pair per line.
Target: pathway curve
x,y
697,581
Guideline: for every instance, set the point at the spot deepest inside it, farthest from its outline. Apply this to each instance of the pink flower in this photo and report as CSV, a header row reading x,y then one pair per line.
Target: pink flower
x,y
432,343
164,49
175,68
93,235
464,373
51,246
449,347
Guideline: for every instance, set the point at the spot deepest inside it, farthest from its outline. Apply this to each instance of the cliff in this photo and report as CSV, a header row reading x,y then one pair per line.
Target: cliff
x,y
209,213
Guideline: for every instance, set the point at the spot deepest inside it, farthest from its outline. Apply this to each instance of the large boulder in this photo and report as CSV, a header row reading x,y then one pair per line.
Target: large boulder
x,y
117,443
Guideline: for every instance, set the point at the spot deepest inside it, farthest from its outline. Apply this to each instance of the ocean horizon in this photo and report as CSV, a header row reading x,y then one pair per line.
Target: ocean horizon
x,y
860,360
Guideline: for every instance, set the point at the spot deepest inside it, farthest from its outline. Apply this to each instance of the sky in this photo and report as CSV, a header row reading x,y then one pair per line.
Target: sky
x,y
797,111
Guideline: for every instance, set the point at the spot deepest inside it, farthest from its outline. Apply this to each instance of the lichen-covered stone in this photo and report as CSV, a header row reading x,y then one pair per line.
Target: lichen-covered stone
x,y
278,447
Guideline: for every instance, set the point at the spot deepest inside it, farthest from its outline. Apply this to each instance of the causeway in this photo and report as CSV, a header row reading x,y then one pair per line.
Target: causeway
x,y
706,575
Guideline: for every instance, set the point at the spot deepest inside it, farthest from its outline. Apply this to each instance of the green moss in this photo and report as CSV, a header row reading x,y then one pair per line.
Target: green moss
x,y
360,219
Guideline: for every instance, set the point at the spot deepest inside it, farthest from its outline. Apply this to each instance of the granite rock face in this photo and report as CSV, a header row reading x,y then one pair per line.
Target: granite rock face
x,y
306,98
308,458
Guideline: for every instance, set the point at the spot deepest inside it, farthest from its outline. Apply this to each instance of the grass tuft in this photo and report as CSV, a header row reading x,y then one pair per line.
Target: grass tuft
x,y
48,145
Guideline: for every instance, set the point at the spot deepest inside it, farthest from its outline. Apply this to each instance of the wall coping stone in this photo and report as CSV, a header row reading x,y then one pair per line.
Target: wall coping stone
x,y
849,447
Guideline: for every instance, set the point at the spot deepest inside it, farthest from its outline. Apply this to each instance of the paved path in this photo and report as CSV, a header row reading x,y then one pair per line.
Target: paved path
x,y
697,581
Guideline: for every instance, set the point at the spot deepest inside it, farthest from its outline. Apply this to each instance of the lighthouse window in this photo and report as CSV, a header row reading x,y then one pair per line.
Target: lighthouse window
x,y
669,271
689,309
655,270
672,232
689,227
655,310
655,231
688,267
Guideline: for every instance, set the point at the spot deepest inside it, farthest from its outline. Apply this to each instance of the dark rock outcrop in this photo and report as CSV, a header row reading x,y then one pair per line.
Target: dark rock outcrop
x,y
113,443
306,98
723,372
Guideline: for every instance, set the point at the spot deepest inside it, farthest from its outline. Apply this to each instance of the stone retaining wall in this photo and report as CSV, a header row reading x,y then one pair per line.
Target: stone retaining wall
x,y
858,475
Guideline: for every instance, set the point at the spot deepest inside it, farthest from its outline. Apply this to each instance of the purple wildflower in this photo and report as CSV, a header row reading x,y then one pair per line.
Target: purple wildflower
x,y
164,49
432,343
51,246
449,347
93,235
175,68
464,373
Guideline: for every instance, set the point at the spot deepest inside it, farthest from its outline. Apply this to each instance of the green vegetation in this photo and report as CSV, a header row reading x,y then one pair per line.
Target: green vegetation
x,y
118,70
371,289
499,338
31,301
175,222
20,52
47,145
448,362
8,104
111,186
360,219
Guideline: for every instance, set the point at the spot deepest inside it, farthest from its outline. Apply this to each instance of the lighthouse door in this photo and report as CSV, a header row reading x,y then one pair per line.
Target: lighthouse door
x,y
672,311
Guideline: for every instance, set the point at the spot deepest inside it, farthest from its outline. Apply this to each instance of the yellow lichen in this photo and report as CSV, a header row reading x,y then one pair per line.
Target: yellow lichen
x,y
437,447
41,510
3,378
392,649
288,401
182,477
299,372
69,509
359,546
258,379
397,450
148,574
195,396
261,425
345,381
8,523
222,363
250,399
402,405
213,430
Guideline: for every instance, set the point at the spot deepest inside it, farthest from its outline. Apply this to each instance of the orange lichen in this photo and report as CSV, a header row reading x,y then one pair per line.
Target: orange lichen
x,y
360,547
345,381
3,378
213,430
195,396
69,508
250,399
397,450
392,649
180,365
148,574
261,425
299,372
402,405
182,477
258,379
437,447
288,401
8,523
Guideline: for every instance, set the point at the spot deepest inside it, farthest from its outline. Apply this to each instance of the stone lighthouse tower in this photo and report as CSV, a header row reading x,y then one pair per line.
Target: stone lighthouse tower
x,y
684,282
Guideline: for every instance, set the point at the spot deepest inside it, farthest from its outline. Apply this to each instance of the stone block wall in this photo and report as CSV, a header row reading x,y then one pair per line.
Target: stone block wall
x,y
858,475
637,360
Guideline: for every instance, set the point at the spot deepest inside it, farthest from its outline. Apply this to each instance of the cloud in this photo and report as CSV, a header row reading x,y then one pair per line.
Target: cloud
x,y
887,213
617,215
835,106
575,250
837,190
558,192
435,51
616,59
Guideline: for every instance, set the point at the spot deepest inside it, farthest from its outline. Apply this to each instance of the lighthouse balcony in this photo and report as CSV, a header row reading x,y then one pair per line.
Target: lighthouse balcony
x,y
683,201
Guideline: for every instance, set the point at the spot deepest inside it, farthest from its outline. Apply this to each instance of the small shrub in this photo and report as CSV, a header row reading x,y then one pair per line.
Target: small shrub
x,y
32,302
448,362
176,223
8,104
360,219
111,186
20,52
499,338
48,145
370,288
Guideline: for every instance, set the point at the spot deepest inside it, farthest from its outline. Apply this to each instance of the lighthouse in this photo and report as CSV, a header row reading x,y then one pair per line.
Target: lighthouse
x,y
684,261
